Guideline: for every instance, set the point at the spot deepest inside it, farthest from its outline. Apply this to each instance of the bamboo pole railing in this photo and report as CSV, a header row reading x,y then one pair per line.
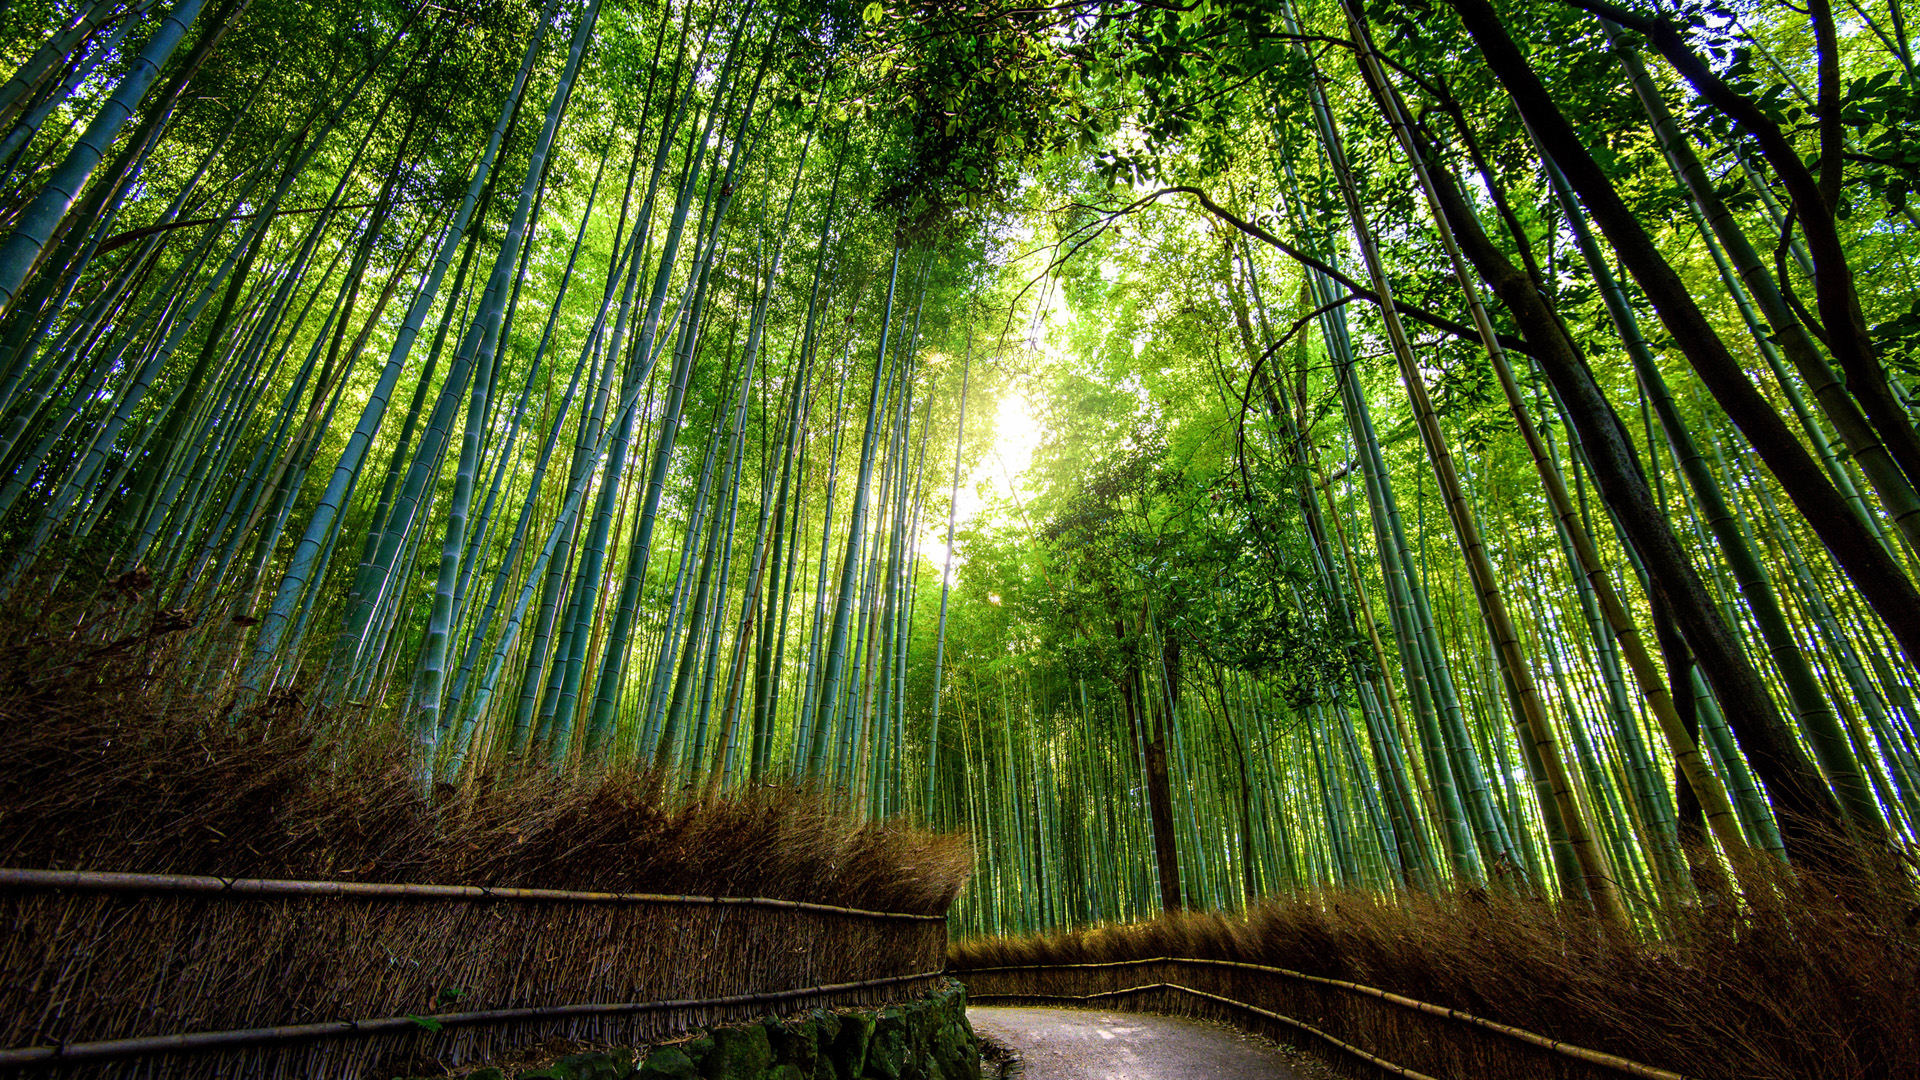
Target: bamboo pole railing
x,y
1556,1046
223,888
104,881
108,1049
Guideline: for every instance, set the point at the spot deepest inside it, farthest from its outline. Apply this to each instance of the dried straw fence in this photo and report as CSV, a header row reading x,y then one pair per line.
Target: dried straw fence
x,y
150,975
1374,1032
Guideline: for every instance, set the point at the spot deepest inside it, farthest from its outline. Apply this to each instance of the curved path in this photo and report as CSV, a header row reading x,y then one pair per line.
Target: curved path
x,y
1086,1044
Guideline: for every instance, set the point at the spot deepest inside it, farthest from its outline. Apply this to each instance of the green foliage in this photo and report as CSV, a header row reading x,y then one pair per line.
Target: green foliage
x,y
964,103
1227,468
1883,111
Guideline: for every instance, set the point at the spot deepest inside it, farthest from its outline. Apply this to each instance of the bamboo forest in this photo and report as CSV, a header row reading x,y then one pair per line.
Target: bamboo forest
x,y
1198,450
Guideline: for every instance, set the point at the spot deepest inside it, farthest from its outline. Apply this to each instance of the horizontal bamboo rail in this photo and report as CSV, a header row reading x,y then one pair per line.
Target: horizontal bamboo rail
x,y
103,881
1592,1057
1379,1062
19,1057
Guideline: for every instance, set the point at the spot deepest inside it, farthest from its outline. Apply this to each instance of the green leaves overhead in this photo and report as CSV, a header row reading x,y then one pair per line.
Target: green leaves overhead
x,y
647,320
968,101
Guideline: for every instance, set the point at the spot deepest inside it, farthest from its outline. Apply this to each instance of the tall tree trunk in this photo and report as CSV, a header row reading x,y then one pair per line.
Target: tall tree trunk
x,y
1790,776
1879,579
1166,852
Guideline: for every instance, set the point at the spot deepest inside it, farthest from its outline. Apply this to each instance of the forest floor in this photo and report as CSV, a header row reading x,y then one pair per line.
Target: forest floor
x,y
1086,1044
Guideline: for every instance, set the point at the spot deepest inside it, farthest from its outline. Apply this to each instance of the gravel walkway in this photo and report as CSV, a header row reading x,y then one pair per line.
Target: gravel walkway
x,y
1085,1044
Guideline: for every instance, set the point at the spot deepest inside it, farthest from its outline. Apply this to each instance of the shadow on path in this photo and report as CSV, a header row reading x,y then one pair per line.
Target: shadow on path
x,y
1084,1044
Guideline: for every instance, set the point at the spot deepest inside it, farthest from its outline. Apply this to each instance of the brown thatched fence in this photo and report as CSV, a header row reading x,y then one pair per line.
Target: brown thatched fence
x,y
146,975
1371,1031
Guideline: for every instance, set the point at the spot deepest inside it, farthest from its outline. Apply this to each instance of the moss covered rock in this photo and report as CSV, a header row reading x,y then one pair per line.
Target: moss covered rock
x,y
890,1051
697,1049
739,1053
597,1065
955,1050
849,1049
610,1065
796,1044
827,1022
926,1039
668,1063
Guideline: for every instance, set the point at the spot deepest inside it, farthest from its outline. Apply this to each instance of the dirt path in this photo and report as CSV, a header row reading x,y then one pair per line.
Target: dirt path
x,y
1084,1044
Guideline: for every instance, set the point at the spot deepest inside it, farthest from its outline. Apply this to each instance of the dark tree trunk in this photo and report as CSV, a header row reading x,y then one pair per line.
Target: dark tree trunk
x,y
1249,882
1159,784
1879,579
1166,852
1810,814
1836,294
1688,813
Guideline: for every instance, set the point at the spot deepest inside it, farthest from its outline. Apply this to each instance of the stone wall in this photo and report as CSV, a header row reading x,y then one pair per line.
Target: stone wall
x,y
924,1039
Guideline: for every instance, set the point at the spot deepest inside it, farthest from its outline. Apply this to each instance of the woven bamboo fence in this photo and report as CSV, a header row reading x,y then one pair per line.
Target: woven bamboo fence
x,y
1364,1030
307,979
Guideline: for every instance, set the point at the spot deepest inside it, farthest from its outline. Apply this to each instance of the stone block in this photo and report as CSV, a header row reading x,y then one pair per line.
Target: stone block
x,y
849,1050
739,1053
891,1047
796,1044
668,1063
610,1065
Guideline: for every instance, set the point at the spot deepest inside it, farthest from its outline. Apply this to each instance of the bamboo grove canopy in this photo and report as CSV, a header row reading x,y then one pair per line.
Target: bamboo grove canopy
x,y
1201,449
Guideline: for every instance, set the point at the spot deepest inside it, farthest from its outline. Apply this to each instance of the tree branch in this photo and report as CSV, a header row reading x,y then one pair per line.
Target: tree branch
x,y
1835,295
1418,314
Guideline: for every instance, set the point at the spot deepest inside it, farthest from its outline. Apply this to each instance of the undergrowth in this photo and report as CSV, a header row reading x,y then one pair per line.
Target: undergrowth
x,y
1810,983
106,764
